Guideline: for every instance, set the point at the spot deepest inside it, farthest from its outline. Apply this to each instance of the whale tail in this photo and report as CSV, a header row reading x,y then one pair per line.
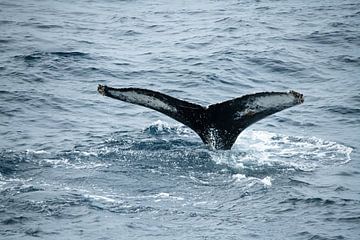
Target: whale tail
x,y
218,125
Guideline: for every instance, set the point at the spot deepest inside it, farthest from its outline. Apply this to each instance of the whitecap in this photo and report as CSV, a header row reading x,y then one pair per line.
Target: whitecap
x,y
30,151
101,198
267,181
160,127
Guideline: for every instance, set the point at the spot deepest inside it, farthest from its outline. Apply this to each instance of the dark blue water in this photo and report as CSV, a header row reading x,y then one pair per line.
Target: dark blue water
x,y
77,165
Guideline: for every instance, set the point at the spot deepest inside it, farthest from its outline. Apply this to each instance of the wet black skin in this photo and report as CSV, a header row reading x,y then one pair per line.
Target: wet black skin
x,y
218,125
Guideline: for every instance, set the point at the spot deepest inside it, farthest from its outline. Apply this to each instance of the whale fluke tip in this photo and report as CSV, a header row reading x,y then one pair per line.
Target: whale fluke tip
x,y
102,89
299,97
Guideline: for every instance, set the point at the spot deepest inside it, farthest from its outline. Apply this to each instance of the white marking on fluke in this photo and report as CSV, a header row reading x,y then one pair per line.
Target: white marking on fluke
x,y
271,101
142,99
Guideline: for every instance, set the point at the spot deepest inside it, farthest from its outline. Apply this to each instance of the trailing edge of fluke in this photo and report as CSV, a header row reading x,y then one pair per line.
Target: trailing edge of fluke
x,y
218,125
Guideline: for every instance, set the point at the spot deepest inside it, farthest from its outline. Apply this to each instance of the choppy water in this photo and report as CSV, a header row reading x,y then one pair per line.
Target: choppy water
x,y
76,165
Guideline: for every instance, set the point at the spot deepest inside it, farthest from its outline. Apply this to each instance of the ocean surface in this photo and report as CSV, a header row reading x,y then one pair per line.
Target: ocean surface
x,y
77,165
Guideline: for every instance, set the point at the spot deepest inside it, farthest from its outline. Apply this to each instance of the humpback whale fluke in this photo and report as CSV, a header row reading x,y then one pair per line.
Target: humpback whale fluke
x,y
218,125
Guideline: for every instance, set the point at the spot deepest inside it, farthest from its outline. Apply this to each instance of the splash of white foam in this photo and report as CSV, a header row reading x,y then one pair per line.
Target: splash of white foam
x,y
88,154
261,150
64,162
100,198
161,125
164,127
30,151
250,181
267,181
162,196
238,177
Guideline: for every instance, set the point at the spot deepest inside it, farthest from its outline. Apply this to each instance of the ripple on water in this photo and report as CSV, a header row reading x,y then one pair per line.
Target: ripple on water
x,y
257,154
36,56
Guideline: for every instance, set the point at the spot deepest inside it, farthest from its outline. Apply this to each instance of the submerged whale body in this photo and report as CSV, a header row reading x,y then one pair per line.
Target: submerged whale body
x,y
218,125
